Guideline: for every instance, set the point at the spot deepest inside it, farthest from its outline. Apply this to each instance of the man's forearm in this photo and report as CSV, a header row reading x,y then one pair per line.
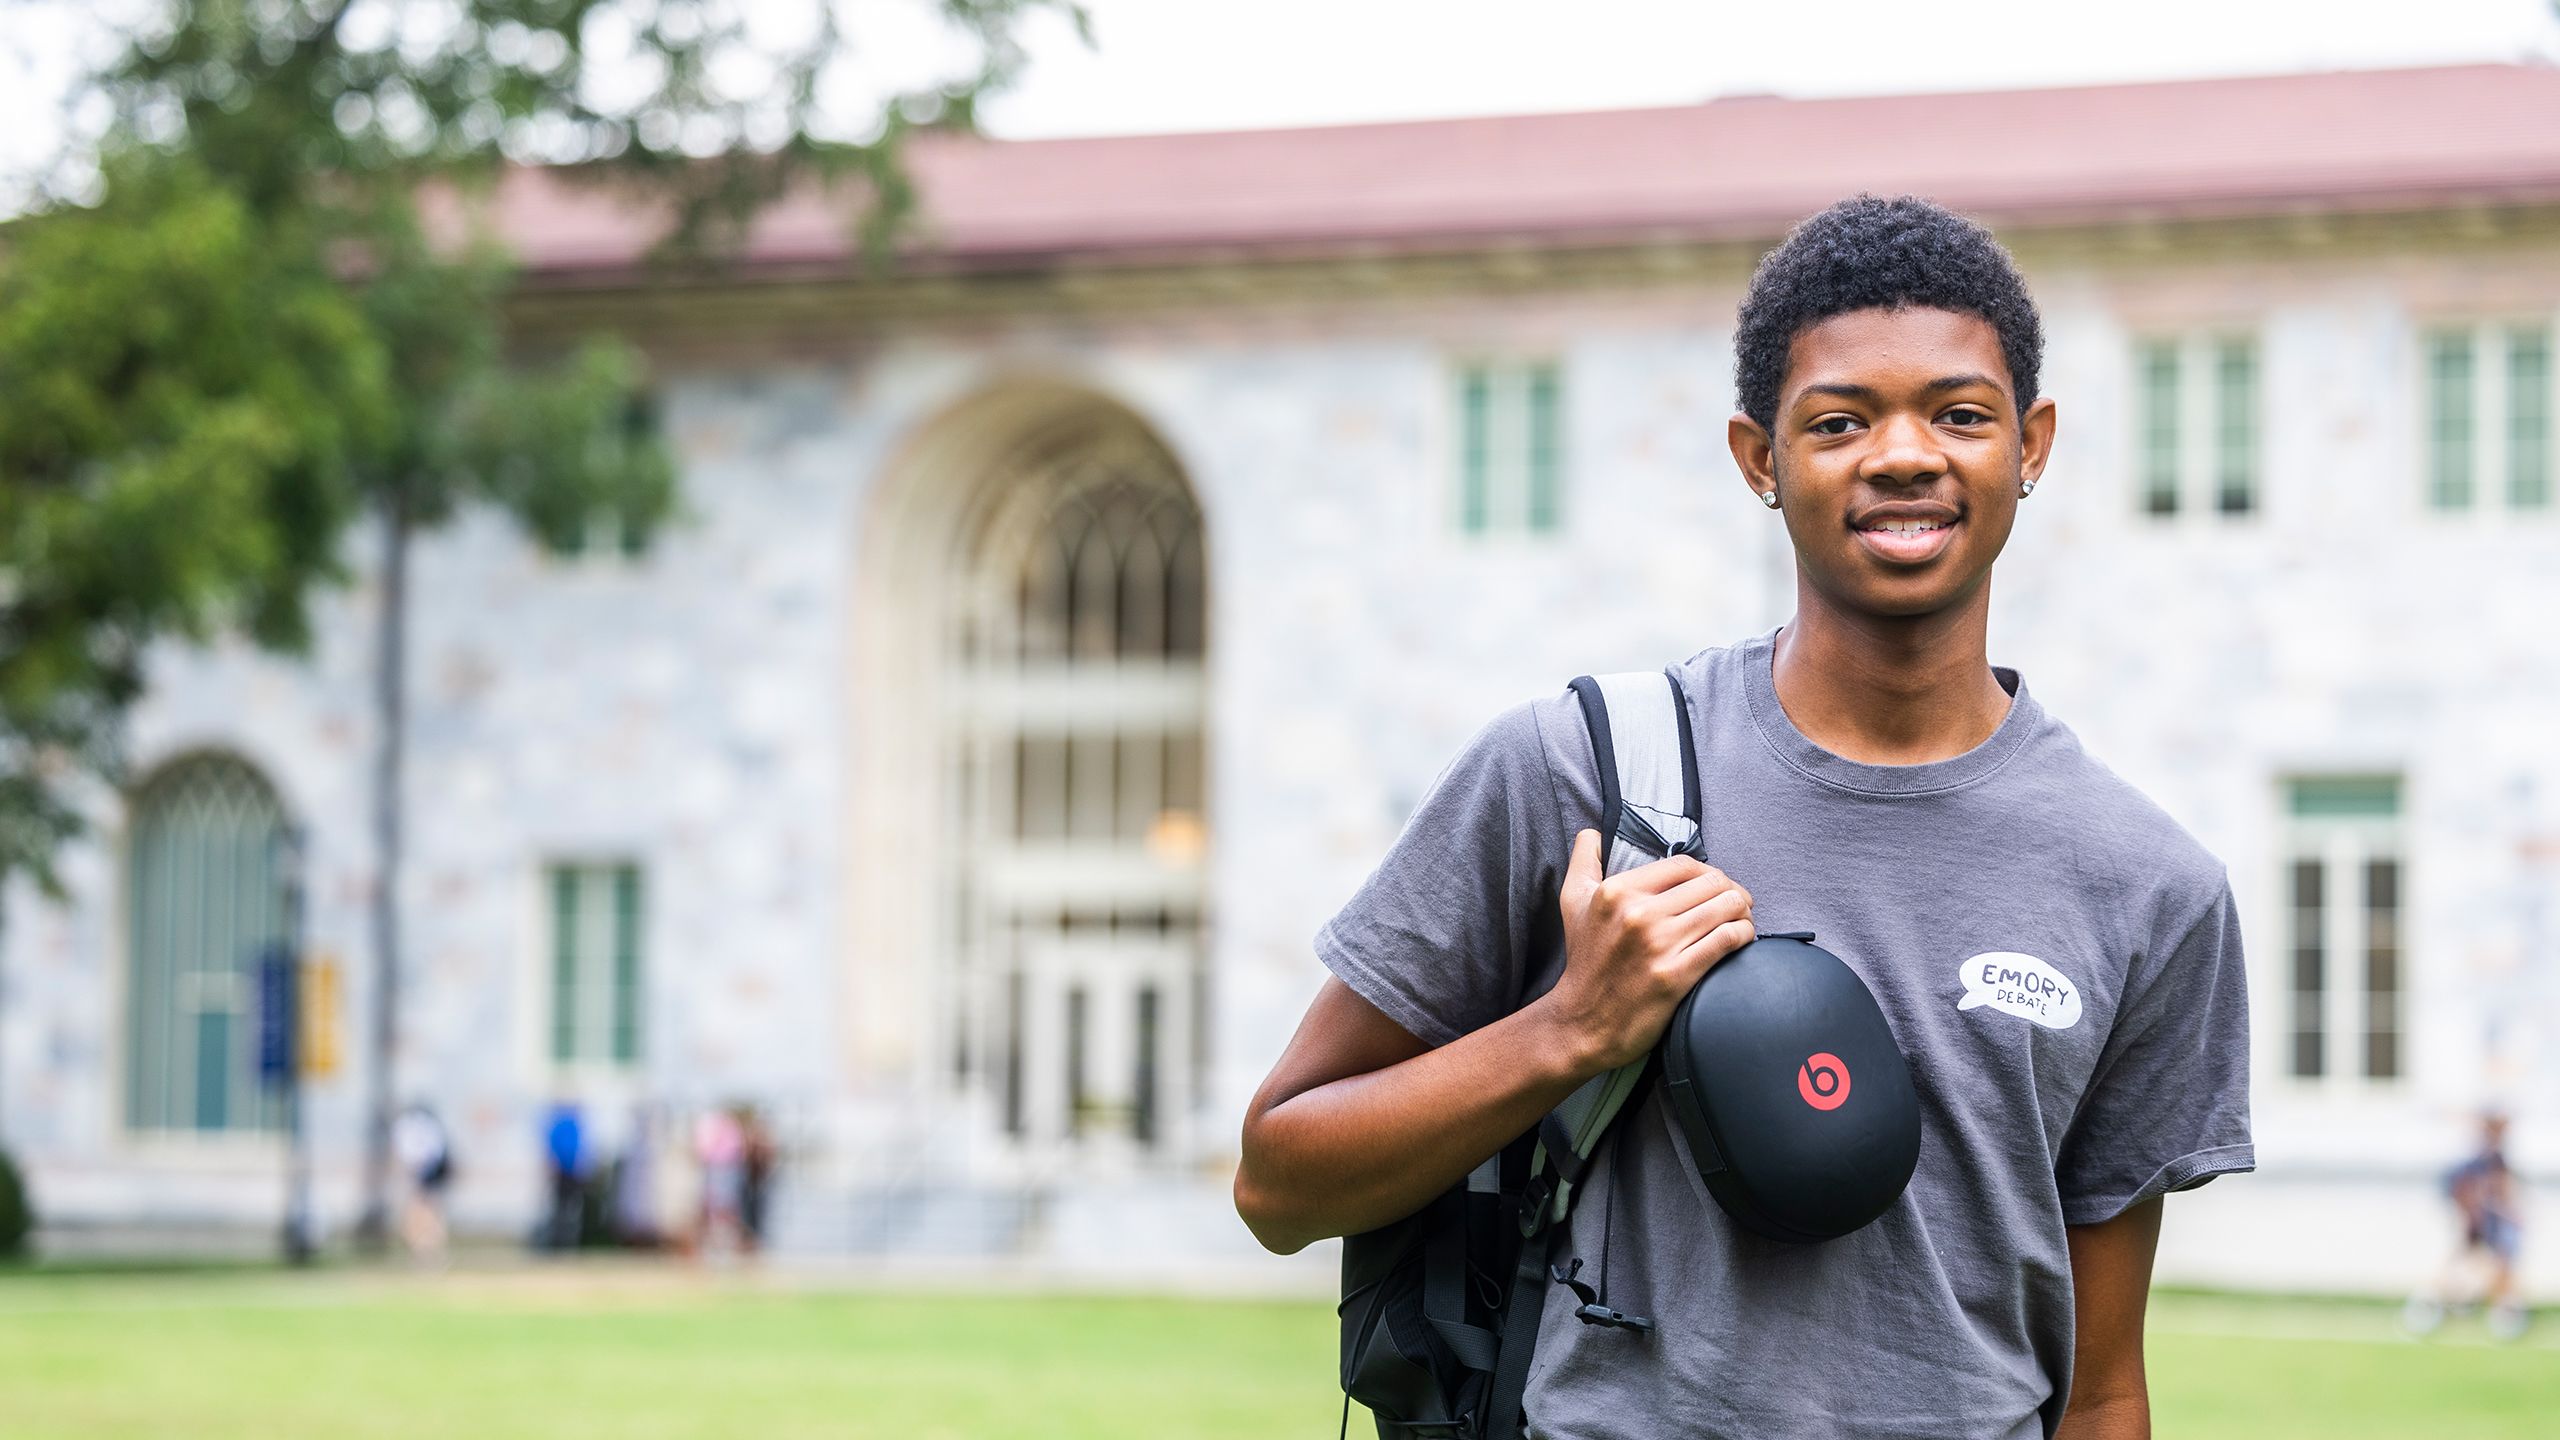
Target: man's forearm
x,y
2114,1417
1369,1149
2111,1290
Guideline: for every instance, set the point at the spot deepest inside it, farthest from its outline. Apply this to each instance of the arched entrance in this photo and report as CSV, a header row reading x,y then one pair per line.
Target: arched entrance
x,y
1056,775
205,897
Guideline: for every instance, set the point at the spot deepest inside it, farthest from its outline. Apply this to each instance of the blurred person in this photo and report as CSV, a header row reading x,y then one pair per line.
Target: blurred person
x,y
676,1191
757,1159
2482,1271
720,1149
635,1184
1873,777
425,1151
564,1153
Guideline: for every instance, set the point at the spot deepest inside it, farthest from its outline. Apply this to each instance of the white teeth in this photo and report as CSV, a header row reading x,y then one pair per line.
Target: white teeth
x,y
1908,526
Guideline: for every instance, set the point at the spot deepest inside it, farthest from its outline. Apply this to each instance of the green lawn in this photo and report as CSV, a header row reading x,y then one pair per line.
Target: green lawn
x,y
641,1357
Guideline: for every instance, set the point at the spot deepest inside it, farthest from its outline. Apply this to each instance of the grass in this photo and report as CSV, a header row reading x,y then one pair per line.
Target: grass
x,y
566,1355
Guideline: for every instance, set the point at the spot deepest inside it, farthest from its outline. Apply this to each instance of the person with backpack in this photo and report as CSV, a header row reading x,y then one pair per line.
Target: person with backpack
x,y
425,1149
2058,961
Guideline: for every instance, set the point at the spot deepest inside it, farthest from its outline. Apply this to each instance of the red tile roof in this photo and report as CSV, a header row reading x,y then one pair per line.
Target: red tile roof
x,y
1740,168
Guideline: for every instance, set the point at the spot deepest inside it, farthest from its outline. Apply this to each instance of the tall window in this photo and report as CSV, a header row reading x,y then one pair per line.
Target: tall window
x,y
2449,418
1510,448
2235,426
2196,423
2489,398
2529,457
595,964
2160,464
206,897
1077,980
2345,967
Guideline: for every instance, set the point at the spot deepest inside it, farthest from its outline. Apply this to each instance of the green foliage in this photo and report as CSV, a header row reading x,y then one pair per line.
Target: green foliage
x,y
190,395
239,337
17,1217
710,105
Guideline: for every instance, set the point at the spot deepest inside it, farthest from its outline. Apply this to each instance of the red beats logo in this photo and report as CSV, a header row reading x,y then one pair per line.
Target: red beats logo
x,y
1823,1081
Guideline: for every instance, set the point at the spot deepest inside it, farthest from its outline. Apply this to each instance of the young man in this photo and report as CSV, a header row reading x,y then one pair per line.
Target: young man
x,y
1870,776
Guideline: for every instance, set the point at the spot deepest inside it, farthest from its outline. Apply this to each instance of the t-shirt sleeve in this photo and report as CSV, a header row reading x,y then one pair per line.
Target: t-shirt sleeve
x,y
1442,935
2168,1105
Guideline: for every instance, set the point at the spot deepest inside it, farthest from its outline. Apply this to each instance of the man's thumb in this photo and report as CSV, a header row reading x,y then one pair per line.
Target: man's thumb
x,y
1583,870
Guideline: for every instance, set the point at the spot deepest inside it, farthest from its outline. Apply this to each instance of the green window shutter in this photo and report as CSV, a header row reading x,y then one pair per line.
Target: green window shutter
x,y
2235,374
150,985
2529,417
2449,413
564,964
596,970
2310,972
2383,1017
1475,449
1546,448
2158,364
2345,797
626,964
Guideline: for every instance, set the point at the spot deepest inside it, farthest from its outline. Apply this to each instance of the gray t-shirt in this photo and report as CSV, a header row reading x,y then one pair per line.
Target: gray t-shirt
x,y
2060,961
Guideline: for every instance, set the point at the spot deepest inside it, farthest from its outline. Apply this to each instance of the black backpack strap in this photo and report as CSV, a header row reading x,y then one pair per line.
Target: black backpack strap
x,y
1520,1316
1645,751
1693,797
1444,1297
1604,757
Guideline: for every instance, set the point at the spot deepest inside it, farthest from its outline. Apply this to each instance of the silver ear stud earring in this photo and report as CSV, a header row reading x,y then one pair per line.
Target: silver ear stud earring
x,y
1769,498
2026,488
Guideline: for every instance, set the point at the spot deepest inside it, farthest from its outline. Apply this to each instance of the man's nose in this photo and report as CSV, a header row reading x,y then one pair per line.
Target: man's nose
x,y
1906,451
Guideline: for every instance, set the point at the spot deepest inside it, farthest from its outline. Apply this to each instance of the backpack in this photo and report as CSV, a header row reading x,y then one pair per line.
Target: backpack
x,y
1440,1309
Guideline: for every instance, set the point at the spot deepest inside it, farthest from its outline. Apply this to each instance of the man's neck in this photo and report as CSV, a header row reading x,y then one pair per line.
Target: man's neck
x,y
1889,690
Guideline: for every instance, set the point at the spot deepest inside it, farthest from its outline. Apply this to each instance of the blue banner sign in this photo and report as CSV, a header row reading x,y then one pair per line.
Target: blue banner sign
x,y
275,1014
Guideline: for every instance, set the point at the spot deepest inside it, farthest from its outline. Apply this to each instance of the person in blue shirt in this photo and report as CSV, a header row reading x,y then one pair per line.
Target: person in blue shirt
x,y
2485,1195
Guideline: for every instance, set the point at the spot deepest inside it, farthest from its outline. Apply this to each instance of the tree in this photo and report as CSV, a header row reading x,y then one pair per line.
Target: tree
x,y
274,348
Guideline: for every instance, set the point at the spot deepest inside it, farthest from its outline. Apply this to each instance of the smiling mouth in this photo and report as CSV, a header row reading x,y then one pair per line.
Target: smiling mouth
x,y
1905,541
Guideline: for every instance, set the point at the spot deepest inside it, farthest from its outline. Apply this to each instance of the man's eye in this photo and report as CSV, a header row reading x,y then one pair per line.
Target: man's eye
x,y
1967,415
1833,425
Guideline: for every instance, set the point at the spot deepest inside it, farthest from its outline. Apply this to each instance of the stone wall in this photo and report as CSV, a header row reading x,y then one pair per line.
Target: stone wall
x,y
691,709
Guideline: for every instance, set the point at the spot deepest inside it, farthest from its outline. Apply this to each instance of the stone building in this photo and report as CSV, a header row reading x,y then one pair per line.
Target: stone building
x,y
1060,629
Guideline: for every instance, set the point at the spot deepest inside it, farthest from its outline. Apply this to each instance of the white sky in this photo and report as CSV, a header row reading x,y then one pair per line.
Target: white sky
x,y
1226,64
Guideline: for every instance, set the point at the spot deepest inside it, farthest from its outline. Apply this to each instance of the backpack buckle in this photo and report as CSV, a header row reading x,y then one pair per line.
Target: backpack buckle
x,y
1533,1204
1614,1319
1591,1311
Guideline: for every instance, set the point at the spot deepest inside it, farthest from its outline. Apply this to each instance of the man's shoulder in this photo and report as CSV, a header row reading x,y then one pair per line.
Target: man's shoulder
x,y
1551,722
2104,824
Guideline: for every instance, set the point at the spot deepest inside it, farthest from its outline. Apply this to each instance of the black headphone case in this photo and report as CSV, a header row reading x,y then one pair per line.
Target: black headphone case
x,y
1797,1104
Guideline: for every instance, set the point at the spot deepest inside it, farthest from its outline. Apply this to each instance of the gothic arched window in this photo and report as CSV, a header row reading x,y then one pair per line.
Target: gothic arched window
x,y
1076,779
205,897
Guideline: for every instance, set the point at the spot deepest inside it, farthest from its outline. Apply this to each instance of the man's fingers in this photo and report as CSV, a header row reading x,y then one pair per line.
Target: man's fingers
x,y
1699,888
1582,871
1655,876
1683,928
1723,940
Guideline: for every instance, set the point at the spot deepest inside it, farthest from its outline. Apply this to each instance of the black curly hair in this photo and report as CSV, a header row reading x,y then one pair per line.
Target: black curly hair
x,y
1868,253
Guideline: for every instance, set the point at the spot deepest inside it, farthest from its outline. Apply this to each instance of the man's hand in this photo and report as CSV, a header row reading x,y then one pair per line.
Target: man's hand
x,y
1360,1123
1635,944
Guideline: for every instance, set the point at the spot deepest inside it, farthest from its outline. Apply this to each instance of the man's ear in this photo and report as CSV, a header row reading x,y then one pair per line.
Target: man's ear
x,y
2035,440
1752,454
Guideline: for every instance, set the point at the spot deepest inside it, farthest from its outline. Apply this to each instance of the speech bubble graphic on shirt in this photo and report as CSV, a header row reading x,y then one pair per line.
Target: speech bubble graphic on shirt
x,y
2020,985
